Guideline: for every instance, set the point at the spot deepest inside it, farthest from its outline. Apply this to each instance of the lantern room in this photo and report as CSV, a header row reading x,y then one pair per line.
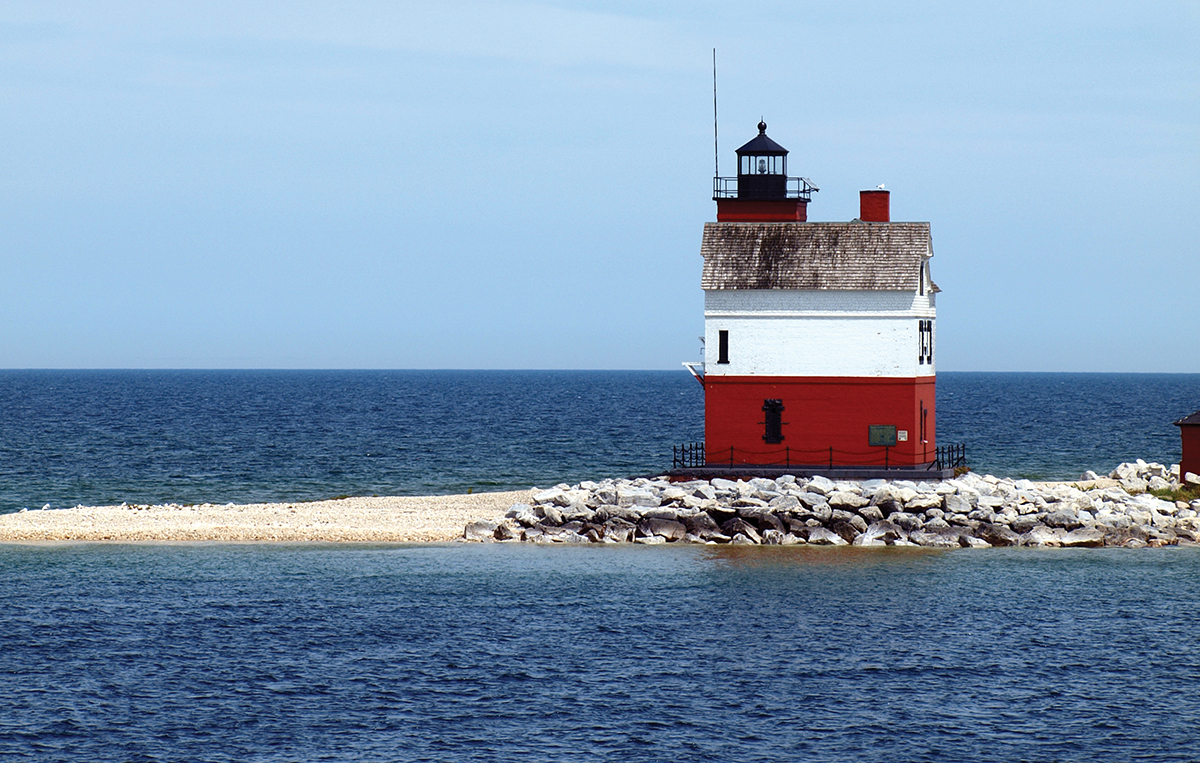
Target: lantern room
x,y
762,191
762,168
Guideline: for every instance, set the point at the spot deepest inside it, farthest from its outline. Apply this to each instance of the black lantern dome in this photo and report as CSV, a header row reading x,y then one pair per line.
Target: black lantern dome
x,y
762,174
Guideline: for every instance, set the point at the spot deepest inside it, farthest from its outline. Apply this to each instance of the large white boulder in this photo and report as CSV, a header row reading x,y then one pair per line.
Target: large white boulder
x,y
820,536
843,499
822,485
923,502
1134,485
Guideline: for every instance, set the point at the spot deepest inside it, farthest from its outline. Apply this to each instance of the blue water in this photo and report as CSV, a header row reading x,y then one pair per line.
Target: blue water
x,y
1055,426
91,437
510,653
98,437
166,652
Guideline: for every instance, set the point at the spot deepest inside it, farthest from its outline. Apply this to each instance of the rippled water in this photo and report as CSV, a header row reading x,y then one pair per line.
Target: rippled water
x,y
98,437
1055,426
276,652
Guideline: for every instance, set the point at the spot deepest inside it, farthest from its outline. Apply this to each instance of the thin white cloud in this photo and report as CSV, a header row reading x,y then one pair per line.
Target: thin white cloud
x,y
528,32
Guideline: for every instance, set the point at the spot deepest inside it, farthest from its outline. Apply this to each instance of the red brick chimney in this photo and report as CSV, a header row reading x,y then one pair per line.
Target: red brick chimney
x,y
874,206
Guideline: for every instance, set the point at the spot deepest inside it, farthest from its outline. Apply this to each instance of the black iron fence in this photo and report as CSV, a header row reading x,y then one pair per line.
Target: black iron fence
x,y
693,455
950,456
687,456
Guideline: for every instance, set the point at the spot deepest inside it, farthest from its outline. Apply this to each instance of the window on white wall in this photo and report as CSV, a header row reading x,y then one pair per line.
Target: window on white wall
x,y
722,346
925,342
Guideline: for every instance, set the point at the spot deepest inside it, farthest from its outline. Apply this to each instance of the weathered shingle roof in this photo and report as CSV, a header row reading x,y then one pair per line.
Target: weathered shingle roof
x,y
872,256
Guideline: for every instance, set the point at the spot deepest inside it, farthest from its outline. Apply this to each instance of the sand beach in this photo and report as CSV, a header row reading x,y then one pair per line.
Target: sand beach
x,y
400,519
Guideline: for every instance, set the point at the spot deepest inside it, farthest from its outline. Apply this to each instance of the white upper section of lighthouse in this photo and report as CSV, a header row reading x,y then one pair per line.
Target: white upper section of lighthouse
x,y
826,334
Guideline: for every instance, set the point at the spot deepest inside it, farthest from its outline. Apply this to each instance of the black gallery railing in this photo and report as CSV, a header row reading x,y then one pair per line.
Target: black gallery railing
x,y
692,456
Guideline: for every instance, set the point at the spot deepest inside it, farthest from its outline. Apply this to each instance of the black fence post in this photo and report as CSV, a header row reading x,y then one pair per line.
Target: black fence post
x,y
830,456
885,458
950,456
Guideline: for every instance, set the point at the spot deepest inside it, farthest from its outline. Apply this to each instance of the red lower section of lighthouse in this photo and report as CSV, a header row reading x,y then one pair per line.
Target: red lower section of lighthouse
x,y
818,420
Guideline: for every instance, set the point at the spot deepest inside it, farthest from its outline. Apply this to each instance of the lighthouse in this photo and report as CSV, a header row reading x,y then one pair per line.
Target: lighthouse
x,y
819,337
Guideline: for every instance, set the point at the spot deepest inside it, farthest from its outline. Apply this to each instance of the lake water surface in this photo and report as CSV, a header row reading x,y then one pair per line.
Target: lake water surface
x,y
525,653
103,437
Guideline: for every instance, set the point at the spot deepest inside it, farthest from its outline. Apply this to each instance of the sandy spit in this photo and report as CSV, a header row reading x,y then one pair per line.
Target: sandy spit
x,y
402,519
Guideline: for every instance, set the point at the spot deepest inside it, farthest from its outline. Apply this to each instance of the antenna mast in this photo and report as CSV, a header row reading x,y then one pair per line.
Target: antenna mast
x,y
716,151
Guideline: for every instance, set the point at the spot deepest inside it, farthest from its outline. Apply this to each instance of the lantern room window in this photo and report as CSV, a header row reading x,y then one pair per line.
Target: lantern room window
x,y
769,164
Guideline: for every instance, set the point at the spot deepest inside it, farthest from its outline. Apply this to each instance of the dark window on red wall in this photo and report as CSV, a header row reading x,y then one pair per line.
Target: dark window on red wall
x,y
773,423
722,346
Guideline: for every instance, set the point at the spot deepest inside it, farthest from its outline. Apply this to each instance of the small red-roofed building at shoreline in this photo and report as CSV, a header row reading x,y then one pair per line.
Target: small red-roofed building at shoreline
x,y
1189,433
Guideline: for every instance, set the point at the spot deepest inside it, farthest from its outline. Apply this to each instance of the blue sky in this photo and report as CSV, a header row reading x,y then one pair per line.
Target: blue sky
x,y
524,185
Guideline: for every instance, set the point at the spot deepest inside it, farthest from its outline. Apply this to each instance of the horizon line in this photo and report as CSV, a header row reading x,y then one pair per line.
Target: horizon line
x,y
494,370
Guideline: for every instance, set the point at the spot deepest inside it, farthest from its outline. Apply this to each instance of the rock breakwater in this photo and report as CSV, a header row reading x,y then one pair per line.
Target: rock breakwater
x,y
970,511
